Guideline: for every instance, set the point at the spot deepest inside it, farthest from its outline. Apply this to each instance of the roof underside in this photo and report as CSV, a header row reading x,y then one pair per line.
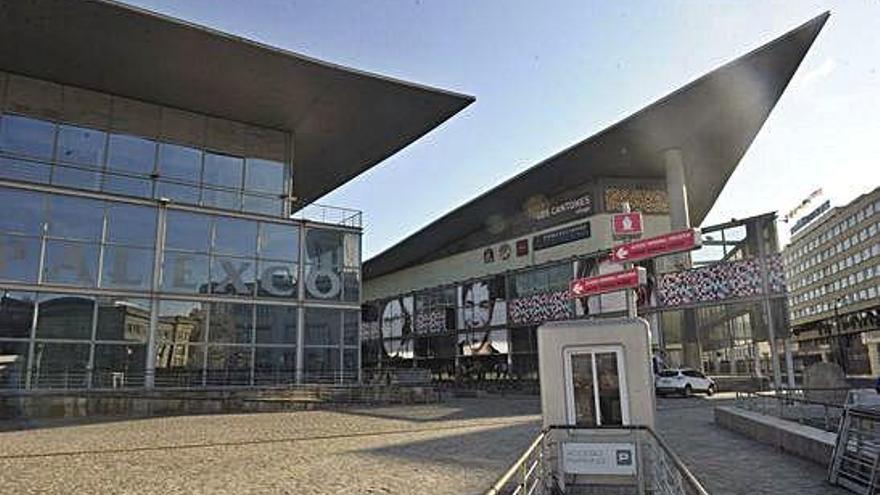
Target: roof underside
x,y
344,121
713,120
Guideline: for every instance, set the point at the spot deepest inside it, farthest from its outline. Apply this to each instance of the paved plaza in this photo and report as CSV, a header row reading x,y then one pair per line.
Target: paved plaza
x,y
458,447
728,463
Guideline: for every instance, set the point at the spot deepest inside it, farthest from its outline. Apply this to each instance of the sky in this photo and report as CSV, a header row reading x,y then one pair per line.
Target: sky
x,y
548,74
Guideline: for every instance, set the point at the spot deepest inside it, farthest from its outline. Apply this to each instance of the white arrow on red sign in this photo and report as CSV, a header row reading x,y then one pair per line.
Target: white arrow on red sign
x,y
610,282
674,242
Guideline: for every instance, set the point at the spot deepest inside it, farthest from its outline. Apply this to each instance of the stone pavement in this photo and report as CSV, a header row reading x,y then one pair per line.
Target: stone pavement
x,y
458,447
729,463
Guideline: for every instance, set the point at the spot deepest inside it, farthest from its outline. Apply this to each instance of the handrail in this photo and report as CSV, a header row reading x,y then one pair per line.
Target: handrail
x,y
514,468
693,484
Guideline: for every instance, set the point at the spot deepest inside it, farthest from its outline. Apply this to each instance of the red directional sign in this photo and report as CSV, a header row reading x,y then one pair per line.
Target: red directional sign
x,y
674,242
611,282
626,224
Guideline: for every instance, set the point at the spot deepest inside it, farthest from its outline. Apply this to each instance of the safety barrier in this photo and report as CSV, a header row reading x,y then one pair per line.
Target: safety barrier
x,y
793,405
621,459
856,458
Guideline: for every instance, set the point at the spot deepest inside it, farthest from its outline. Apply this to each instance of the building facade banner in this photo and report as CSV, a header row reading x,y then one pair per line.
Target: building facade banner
x,y
538,308
719,282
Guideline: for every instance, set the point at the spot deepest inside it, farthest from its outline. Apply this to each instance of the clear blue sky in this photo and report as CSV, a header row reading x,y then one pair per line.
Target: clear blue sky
x,y
547,74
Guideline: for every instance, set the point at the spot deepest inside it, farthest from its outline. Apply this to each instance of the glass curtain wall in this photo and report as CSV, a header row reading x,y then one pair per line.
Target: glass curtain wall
x,y
227,297
45,152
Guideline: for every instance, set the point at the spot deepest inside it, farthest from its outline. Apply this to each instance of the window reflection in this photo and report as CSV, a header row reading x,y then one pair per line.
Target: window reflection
x,y
350,322
131,225
24,136
67,176
19,258
276,324
71,263
81,145
222,170
14,370
235,237
128,186
119,365
226,200
323,282
275,365
24,212
177,193
62,316
264,176
609,388
127,268
584,398
323,326
123,319
58,365
75,218
189,231
278,241
185,272
179,355
324,247
231,323
229,365
16,314
131,154
321,364
261,204
180,162
277,279
233,276
24,170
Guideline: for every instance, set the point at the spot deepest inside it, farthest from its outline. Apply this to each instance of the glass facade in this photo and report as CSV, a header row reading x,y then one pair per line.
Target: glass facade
x,y
68,156
103,286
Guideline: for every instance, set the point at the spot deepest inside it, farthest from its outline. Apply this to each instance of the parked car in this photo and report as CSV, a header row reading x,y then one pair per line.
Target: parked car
x,y
684,381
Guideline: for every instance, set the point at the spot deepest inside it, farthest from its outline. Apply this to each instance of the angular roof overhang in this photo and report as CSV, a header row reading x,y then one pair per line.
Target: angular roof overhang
x,y
713,120
344,121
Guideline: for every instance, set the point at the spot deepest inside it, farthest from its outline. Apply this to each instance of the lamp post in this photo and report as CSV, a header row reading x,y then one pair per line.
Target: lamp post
x,y
840,355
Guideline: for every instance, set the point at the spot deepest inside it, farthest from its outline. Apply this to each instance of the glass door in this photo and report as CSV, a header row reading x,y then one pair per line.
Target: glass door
x,y
596,387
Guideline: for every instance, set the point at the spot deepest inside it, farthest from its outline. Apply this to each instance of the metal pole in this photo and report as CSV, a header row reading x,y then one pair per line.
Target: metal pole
x,y
841,357
631,301
768,314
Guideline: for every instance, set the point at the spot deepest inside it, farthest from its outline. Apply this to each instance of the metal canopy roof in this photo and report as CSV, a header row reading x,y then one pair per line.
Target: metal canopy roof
x,y
344,121
713,120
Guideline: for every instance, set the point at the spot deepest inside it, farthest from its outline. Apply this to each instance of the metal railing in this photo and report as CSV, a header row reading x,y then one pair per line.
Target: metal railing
x,y
794,405
540,469
334,215
856,458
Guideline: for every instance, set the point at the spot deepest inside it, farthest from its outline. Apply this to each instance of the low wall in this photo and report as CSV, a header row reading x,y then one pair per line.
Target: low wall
x,y
803,441
42,405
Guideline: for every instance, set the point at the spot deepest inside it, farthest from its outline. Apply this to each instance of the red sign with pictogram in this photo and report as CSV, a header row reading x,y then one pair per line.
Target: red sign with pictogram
x,y
610,282
626,224
674,242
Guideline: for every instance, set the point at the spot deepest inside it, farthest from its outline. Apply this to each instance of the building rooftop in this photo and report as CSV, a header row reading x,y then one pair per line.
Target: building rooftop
x,y
344,121
713,120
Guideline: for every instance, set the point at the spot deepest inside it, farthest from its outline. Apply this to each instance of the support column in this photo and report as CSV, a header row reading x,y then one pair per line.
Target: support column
x,y
679,219
789,363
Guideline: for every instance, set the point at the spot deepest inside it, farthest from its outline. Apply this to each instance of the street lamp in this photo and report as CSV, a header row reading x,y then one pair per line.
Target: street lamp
x,y
840,355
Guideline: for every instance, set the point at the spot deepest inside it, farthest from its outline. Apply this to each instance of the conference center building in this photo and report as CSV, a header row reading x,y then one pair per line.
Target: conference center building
x,y
157,182
464,296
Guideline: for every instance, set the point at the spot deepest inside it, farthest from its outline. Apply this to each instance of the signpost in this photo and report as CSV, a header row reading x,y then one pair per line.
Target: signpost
x,y
626,224
674,242
611,282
